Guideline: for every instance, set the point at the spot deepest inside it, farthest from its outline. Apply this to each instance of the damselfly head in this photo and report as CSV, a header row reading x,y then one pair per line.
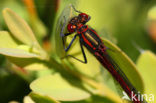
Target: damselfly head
x,y
83,18
77,22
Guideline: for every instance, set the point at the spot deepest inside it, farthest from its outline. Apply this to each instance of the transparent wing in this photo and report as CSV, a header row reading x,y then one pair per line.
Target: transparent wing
x,y
60,29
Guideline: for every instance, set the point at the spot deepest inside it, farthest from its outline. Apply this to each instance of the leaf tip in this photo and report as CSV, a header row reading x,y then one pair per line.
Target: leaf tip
x,y
6,10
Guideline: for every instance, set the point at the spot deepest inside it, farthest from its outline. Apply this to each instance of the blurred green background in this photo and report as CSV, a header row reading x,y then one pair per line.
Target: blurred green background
x,y
130,24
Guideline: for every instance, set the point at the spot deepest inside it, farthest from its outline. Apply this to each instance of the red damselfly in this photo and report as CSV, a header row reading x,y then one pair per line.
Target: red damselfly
x,y
91,40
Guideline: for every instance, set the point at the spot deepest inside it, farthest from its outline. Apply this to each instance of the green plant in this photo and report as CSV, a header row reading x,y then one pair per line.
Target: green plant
x,y
53,80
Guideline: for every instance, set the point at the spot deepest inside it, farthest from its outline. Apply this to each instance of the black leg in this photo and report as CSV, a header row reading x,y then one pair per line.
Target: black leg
x,y
66,49
84,55
67,34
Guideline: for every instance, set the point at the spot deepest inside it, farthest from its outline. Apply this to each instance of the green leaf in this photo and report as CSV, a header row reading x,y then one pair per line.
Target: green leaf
x,y
19,28
126,65
23,32
91,69
104,92
27,99
7,41
10,47
58,88
28,63
39,28
28,68
40,68
147,67
42,99
13,52
152,13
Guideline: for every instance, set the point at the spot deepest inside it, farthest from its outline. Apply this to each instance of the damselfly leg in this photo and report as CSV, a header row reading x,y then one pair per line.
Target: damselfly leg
x,y
68,47
83,53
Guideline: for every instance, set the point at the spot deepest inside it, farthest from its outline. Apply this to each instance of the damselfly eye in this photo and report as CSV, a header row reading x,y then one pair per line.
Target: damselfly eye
x,y
71,28
83,15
